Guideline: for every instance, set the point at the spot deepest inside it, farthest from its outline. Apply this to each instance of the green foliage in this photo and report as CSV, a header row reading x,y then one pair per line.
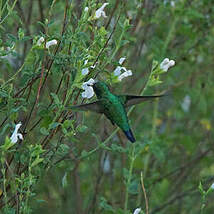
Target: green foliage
x,y
74,162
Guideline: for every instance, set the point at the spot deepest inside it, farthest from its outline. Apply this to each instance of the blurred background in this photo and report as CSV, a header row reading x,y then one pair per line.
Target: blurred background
x,y
77,173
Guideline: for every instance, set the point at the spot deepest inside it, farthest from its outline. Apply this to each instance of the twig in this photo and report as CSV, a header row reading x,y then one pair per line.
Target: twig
x,y
174,199
107,41
92,206
144,192
40,82
41,11
76,180
112,13
189,164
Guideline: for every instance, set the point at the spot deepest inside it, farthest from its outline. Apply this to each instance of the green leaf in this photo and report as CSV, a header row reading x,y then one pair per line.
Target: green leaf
x,y
21,34
56,99
82,128
117,148
7,144
64,147
200,187
44,131
102,31
84,154
37,161
211,189
54,125
12,38
133,188
154,65
103,204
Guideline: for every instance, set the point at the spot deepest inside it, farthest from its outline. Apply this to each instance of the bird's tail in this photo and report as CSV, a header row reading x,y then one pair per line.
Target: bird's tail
x,y
130,135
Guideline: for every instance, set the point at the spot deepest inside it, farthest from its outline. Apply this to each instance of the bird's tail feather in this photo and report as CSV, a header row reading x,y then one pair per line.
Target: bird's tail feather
x,y
130,135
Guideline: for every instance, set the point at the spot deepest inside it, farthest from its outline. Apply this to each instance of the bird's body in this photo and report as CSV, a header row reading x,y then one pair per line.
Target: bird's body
x,y
115,111
113,106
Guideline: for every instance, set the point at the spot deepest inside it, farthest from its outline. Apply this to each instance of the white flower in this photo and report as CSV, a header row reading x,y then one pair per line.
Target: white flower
x,y
105,163
121,60
40,41
93,66
186,103
172,3
117,71
137,211
85,62
166,64
85,71
125,74
88,83
86,9
212,186
50,43
15,136
87,86
100,12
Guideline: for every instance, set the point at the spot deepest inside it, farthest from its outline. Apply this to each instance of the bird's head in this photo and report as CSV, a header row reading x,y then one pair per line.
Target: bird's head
x,y
100,88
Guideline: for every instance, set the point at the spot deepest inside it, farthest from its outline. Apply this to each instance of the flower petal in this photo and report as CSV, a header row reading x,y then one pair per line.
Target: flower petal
x,y
15,136
86,61
100,12
91,81
121,60
166,64
40,41
50,43
117,71
85,71
20,136
137,211
89,91
125,74
186,103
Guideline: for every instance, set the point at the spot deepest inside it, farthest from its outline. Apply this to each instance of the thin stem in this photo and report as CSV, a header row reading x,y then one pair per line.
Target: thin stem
x,y
4,183
129,178
29,184
166,44
144,192
11,9
13,77
155,115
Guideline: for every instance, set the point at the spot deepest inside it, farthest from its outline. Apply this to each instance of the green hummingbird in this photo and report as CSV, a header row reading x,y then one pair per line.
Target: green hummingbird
x,y
114,106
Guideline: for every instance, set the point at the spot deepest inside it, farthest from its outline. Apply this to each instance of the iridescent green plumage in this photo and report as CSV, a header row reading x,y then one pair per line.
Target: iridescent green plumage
x,y
113,106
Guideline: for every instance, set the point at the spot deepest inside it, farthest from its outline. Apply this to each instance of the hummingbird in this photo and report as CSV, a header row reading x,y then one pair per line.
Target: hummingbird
x,y
114,106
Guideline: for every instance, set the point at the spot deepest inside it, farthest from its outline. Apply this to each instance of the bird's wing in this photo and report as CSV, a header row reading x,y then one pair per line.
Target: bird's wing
x,y
95,107
129,100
